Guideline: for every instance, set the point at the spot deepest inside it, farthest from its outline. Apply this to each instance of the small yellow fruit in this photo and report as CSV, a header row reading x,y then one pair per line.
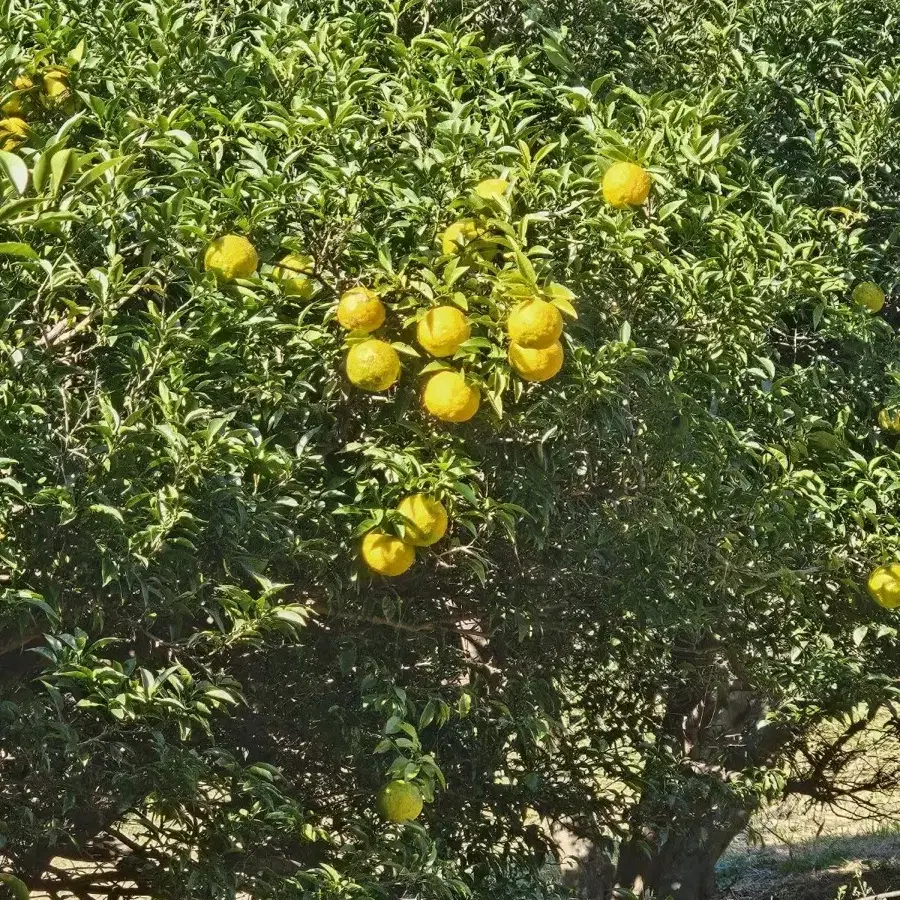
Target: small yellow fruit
x,y
442,330
889,420
536,364
12,132
373,365
884,586
449,398
56,82
360,310
231,256
15,105
426,519
293,273
399,801
625,184
457,235
386,554
535,324
492,188
869,295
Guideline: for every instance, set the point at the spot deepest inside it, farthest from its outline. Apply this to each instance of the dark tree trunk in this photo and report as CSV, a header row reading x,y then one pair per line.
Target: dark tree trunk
x,y
681,864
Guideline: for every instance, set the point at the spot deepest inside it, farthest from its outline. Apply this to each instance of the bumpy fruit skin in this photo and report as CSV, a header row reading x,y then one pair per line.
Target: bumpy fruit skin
x,y
386,554
373,365
16,887
12,132
56,82
625,184
442,330
360,310
426,519
535,324
884,586
293,274
16,105
889,420
449,398
869,295
231,256
457,235
536,364
491,188
399,801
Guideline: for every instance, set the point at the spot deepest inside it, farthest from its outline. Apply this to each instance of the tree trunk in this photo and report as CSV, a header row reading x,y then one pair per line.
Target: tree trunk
x,y
682,863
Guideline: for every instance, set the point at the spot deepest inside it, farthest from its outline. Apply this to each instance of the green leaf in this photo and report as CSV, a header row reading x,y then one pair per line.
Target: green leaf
x,y
15,248
15,170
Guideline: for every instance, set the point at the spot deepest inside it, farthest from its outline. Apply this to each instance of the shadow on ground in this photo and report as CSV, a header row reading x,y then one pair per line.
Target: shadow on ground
x,y
840,866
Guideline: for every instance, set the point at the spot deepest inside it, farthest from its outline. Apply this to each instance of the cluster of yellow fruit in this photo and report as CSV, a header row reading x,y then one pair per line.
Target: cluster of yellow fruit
x,y
52,84
425,523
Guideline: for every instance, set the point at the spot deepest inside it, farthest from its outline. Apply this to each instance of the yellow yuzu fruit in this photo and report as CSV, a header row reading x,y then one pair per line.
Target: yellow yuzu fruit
x,y
889,420
625,184
457,235
13,131
535,324
373,365
536,364
426,519
56,82
399,801
386,554
884,585
360,309
491,188
15,105
293,273
231,256
450,398
869,295
442,330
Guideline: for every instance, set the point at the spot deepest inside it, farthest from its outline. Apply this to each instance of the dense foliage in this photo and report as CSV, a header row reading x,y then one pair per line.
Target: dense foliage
x,y
649,614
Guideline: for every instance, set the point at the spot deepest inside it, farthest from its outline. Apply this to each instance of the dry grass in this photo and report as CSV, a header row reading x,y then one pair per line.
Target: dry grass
x,y
794,852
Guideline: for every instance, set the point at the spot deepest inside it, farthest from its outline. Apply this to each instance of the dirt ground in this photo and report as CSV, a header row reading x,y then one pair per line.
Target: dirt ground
x,y
793,852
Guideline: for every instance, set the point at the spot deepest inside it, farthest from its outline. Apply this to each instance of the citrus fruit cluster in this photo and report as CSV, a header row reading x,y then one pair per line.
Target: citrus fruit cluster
x,y
425,522
49,86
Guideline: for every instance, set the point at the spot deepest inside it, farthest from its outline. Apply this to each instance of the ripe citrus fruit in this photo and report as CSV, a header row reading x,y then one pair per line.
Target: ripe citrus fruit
x,y
15,105
869,295
426,519
491,188
625,184
535,324
386,554
889,420
884,585
12,132
536,364
449,398
373,365
293,272
442,329
231,256
56,82
457,235
360,310
399,801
